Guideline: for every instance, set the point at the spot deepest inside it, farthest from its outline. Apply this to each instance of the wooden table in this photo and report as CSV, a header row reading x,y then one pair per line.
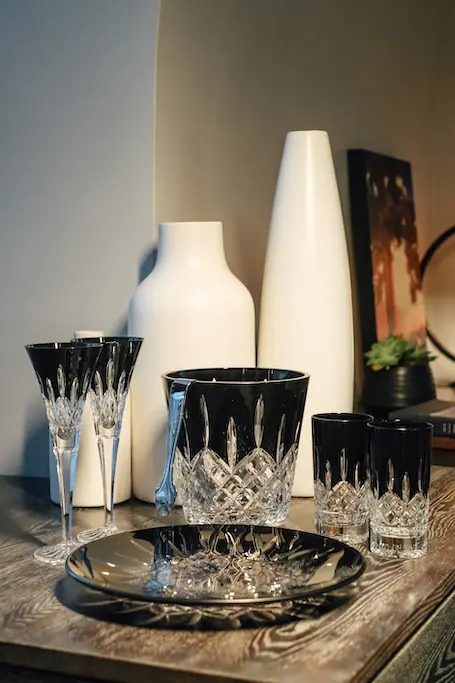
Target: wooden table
x,y
398,628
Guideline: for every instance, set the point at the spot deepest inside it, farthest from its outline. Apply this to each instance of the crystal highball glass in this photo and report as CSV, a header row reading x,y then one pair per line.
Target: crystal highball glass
x,y
234,434
400,456
341,477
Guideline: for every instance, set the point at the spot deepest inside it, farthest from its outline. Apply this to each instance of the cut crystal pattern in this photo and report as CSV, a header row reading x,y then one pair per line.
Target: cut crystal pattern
x,y
65,414
234,575
341,505
221,492
400,517
280,440
248,489
231,566
399,522
344,503
210,564
369,490
222,618
108,404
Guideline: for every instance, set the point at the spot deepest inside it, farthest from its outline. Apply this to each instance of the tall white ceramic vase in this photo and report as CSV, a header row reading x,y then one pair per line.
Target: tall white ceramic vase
x,y
88,487
306,312
192,313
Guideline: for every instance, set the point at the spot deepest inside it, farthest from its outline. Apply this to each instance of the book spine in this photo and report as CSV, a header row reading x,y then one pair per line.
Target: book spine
x,y
443,428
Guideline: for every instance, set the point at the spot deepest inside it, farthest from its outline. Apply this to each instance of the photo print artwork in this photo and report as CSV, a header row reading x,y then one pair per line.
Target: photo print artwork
x,y
386,247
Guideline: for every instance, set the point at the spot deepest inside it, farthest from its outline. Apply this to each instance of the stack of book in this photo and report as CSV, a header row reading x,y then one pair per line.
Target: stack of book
x,y
441,414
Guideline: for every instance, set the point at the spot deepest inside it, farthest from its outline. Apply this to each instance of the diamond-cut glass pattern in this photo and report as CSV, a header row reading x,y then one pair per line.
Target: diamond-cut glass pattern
x,y
231,566
399,516
65,414
209,573
395,517
343,503
216,566
107,404
255,488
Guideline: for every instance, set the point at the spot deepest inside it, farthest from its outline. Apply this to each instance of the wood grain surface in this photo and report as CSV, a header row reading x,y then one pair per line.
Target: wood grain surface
x,y
42,624
429,656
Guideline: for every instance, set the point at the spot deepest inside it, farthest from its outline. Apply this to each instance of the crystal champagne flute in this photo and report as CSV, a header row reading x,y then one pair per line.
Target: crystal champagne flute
x,y
64,371
108,392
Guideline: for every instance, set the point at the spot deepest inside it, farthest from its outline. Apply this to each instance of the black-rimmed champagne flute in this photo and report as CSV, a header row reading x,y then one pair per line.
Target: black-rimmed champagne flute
x,y
108,392
64,371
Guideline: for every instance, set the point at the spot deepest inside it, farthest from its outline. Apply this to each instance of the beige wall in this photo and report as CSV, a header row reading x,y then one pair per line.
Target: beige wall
x,y
440,278
234,76
76,181
77,147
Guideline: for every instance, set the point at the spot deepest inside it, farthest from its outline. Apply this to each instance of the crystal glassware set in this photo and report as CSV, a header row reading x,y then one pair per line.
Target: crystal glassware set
x,y
371,480
232,445
67,372
233,438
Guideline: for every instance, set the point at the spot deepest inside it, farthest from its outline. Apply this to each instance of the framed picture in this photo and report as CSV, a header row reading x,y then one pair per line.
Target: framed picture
x,y
386,248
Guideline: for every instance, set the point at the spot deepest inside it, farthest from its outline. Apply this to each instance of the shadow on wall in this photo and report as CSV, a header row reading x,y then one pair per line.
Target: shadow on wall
x,y
147,263
35,449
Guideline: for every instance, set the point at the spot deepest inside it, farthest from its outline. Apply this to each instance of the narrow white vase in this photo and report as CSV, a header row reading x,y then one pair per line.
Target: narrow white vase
x,y
306,319
88,487
192,313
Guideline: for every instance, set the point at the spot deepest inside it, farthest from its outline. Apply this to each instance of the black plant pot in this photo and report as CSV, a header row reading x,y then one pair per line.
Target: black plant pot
x,y
398,387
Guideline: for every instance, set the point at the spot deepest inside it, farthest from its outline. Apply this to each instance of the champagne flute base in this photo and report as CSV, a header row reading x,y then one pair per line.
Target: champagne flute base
x,y
90,535
55,554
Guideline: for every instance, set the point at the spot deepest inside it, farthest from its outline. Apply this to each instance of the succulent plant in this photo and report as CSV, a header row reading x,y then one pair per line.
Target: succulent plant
x,y
395,350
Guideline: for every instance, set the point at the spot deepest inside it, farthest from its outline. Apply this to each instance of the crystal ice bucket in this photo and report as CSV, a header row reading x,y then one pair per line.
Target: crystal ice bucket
x,y
232,443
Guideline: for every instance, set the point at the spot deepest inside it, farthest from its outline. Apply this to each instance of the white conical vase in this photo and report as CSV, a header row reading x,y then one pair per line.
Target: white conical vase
x,y
192,313
306,319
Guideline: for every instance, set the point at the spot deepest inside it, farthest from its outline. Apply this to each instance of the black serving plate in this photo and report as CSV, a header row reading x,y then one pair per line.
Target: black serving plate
x,y
216,565
111,609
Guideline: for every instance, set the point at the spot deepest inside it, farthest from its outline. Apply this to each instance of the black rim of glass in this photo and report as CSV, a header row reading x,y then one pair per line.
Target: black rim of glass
x,y
185,375
108,339
399,425
343,418
64,345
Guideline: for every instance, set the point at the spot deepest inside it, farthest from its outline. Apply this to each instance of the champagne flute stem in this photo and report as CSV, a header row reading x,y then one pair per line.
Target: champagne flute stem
x,y
115,443
66,470
101,453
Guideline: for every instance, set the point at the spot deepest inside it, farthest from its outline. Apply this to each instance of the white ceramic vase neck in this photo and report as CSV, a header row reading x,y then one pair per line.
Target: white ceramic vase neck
x,y
191,246
306,312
